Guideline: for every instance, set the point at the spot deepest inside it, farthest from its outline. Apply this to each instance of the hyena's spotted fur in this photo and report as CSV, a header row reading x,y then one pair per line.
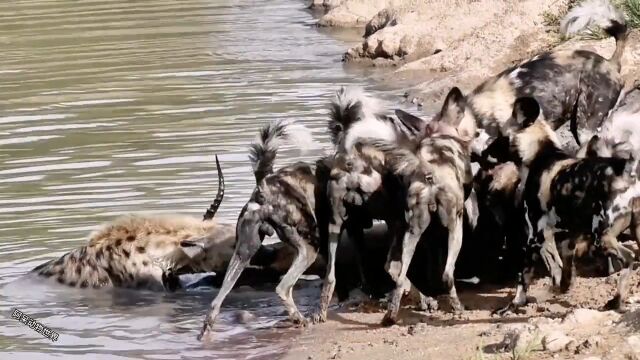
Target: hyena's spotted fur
x,y
135,251
147,251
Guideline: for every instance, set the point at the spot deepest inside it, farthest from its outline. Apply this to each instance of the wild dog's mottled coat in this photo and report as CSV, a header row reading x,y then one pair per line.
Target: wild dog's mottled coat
x,y
283,202
577,86
563,194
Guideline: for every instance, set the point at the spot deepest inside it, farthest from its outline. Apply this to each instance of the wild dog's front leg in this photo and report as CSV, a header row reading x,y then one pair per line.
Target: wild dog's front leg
x,y
248,241
398,266
455,243
524,279
337,190
626,256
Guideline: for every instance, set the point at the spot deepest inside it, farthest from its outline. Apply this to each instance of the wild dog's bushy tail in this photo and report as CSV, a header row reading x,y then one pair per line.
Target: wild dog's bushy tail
x,y
599,13
349,105
262,153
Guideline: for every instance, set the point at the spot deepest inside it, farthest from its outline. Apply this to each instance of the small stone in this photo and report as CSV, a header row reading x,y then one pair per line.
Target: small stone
x,y
634,343
558,341
244,317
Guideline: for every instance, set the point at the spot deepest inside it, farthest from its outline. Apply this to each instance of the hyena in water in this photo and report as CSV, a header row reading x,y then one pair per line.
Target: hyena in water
x,y
147,251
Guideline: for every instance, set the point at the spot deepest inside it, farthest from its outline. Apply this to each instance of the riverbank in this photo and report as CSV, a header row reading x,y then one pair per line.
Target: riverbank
x,y
429,46
425,48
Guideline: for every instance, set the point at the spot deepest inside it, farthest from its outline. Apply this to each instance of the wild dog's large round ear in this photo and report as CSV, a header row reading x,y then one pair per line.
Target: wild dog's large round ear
x,y
453,108
525,111
411,121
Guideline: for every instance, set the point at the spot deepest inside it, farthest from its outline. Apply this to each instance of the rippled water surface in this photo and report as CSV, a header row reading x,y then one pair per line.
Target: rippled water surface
x,y
108,107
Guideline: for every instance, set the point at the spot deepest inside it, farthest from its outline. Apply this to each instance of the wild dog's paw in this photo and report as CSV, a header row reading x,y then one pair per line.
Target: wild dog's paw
x,y
616,304
428,304
509,309
353,198
388,320
207,328
456,306
318,317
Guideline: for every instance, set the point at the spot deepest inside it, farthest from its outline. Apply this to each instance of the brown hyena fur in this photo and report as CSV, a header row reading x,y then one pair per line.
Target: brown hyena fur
x,y
146,251
580,87
567,198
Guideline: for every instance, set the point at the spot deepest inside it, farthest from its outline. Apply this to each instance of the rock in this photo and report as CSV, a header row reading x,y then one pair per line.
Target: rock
x,y
584,317
521,339
592,358
589,344
352,13
244,317
557,341
324,4
634,343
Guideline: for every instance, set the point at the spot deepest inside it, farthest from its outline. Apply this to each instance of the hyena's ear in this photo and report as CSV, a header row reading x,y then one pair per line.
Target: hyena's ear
x,y
525,111
453,108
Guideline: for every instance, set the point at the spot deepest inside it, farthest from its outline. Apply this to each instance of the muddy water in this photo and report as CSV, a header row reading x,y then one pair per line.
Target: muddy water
x,y
108,107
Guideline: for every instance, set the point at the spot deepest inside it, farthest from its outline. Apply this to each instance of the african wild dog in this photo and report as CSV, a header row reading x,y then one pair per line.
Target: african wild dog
x,y
565,196
576,86
360,188
369,178
435,176
283,202
146,251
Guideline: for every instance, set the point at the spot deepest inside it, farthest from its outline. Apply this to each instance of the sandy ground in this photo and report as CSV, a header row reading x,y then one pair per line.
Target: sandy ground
x,y
552,326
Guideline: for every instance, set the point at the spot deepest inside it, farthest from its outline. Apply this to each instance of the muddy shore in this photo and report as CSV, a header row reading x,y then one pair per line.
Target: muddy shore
x,y
425,48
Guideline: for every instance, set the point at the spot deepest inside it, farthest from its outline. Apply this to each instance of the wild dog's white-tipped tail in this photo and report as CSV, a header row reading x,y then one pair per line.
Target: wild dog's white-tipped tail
x,y
599,13
349,105
262,152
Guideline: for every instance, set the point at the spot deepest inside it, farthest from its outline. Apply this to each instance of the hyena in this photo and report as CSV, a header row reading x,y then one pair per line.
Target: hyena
x,y
569,197
579,87
284,202
146,251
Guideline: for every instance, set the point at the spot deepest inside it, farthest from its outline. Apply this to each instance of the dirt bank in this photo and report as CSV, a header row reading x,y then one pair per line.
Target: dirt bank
x,y
554,327
432,45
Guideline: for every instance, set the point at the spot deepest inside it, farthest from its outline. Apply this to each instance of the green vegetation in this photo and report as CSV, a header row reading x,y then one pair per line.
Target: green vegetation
x,y
632,11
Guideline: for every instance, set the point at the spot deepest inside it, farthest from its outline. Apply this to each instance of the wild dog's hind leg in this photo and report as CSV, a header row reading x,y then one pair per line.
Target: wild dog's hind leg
x,y
626,256
454,227
418,222
305,256
248,241
550,256
337,190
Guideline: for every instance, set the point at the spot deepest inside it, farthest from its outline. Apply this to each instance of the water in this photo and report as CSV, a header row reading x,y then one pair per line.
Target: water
x,y
109,107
